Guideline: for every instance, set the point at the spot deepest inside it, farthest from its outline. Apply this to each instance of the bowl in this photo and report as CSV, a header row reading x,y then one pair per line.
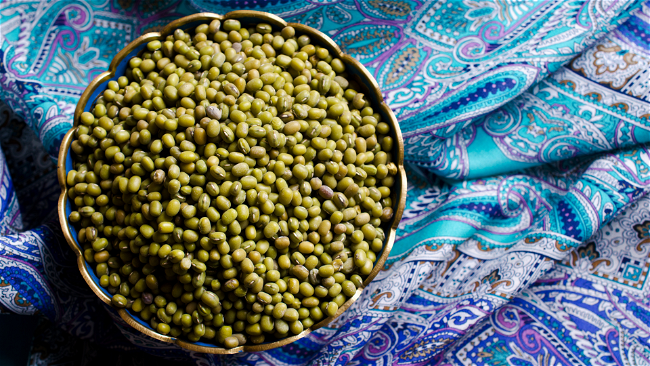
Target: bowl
x,y
356,71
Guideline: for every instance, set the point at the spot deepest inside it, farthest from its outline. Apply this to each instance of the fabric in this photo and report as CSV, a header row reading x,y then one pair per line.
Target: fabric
x,y
525,235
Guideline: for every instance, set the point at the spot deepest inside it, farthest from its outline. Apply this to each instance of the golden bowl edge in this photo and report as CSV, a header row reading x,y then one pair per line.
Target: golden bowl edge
x,y
322,39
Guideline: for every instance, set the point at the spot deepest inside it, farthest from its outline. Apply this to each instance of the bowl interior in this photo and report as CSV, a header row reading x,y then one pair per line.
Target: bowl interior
x,y
363,81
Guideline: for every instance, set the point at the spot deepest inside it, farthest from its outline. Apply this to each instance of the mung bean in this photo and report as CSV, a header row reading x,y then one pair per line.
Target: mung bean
x,y
242,184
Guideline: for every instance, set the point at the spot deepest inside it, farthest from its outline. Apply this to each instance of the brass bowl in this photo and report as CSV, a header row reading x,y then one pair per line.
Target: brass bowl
x,y
357,72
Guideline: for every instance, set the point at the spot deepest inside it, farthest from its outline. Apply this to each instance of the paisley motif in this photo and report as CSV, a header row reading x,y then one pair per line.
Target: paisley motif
x,y
388,9
12,301
11,221
472,100
24,277
338,14
610,64
366,42
75,17
315,20
405,64
481,12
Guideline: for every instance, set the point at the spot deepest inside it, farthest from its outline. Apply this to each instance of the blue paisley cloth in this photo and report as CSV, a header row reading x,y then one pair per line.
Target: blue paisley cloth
x,y
526,234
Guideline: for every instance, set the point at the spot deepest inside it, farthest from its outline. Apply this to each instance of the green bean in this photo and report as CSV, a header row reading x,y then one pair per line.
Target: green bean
x,y
230,342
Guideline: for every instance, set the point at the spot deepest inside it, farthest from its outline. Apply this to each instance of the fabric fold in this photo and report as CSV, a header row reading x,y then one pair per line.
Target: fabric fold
x,y
498,56
598,102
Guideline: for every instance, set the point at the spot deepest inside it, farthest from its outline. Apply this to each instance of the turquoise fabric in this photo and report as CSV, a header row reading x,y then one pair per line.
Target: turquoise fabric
x,y
524,126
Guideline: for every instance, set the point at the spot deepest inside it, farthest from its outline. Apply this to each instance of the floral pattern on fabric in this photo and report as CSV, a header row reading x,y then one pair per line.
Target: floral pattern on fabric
x,y
598,102
524,235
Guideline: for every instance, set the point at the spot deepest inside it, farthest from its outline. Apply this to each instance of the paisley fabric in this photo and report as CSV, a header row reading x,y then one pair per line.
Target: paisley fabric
x,y
598,102
524,238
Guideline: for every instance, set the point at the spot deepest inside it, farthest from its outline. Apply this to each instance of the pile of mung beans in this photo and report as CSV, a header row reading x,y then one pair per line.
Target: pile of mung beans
x,y
232,185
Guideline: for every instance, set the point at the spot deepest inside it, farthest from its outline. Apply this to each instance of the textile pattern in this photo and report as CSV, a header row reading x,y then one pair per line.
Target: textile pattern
x,y
524,239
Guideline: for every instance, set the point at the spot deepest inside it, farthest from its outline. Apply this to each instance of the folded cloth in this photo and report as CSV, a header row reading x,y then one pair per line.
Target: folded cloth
x,y
596,103
524,236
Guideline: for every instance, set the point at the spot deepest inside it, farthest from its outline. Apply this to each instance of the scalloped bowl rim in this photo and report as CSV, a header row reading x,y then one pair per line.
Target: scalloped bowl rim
x,y
117,68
